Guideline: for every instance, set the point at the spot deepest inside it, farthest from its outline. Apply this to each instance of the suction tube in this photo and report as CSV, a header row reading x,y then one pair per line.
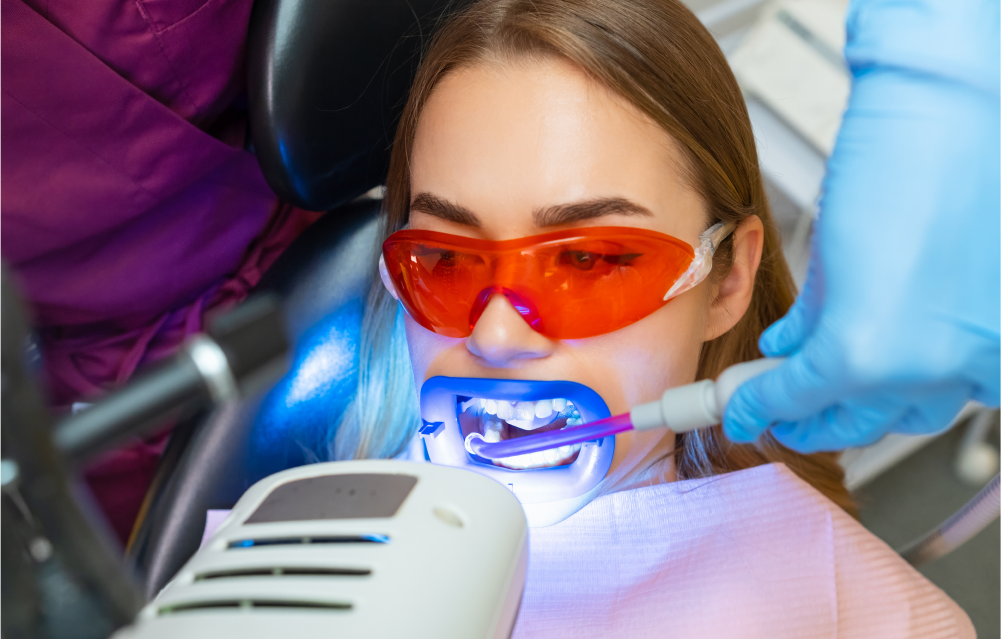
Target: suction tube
x,y
684,408
958,529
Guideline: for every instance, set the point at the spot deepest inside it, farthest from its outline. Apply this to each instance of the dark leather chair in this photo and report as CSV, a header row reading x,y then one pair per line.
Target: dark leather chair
x,y
326,81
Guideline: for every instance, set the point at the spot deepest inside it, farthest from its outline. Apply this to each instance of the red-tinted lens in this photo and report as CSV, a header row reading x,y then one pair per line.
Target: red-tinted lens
x,y
567,285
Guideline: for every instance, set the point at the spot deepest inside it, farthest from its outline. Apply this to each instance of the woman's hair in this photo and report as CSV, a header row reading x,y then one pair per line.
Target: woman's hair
x,y
658,56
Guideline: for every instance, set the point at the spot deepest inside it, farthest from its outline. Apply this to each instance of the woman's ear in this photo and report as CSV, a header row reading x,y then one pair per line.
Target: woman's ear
x,y
386,280
734,293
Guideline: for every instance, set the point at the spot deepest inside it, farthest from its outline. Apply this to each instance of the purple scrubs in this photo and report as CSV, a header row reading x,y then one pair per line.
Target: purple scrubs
x,y
129,206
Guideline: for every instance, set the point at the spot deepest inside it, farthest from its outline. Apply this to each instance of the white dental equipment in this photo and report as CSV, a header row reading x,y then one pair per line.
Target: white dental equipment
x,y
353,549
682,409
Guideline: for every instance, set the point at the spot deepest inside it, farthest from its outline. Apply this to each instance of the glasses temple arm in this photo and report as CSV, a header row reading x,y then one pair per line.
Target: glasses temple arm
x,y
715,235
700,267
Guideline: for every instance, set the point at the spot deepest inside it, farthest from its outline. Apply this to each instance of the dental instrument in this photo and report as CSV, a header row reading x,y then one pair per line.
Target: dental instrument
x,y
367,548
682,409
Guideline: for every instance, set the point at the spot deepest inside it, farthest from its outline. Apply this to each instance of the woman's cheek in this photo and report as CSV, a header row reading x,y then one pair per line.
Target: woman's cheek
x,y
645,358
424,347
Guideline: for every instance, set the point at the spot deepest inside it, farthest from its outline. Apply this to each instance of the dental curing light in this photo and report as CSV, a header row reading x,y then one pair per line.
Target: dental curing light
x,y
379,549
682,409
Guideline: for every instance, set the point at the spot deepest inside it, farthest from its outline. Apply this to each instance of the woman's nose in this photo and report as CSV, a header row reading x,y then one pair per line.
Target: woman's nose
x,y
502,337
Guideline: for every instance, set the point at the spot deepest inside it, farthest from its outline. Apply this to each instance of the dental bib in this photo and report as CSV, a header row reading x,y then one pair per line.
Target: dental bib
x,y
548,495
755,553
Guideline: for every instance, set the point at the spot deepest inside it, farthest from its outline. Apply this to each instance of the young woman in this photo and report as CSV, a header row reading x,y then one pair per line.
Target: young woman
x,y
557,165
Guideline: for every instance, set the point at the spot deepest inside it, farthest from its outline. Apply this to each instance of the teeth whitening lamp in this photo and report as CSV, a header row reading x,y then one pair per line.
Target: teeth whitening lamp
x,y
353,549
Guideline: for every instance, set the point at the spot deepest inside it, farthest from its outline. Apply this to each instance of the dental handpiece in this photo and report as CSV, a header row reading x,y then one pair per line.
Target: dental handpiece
x,y
682,409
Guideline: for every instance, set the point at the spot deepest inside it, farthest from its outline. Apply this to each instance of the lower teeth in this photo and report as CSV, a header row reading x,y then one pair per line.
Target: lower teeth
x,y
492,432
541,459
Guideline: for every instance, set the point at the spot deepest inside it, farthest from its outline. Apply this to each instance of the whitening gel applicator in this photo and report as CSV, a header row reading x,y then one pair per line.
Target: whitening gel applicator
x,y
684,408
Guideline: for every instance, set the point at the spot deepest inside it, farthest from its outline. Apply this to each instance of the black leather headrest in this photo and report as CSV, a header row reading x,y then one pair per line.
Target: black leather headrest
x,y
327,80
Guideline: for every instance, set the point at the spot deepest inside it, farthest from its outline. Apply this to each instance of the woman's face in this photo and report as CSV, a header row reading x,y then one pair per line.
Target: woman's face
x,y
499,142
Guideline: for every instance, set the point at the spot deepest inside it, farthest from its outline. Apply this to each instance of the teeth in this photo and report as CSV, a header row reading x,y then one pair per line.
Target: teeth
x,y
550,457
505,410
524,410
492,432
523,415
543,408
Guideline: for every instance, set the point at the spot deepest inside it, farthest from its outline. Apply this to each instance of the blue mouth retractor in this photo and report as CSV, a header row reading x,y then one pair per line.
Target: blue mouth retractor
x,y
549,495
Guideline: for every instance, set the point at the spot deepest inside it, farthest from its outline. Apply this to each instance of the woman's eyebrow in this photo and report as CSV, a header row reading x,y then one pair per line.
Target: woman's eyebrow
x,y
555,215
434,205
586,210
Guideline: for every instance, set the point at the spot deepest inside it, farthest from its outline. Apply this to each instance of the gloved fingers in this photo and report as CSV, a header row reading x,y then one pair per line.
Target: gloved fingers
x,y
932,412
848,423
863,421
795,390
787,335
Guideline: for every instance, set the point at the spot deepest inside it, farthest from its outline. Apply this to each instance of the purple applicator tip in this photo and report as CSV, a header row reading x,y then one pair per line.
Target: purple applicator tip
x,y
478,446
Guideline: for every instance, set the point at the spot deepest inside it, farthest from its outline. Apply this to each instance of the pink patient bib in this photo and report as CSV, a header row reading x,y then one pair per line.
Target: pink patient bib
x,y
756,553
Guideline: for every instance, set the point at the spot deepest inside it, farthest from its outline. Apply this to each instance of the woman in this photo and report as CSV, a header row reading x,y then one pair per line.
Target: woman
x,y
581,125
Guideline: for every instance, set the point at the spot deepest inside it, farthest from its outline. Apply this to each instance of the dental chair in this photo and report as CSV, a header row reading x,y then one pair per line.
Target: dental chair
x,y
326,82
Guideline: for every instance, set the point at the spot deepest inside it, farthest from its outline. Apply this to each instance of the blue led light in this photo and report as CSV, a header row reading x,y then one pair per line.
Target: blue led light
x,y
295,418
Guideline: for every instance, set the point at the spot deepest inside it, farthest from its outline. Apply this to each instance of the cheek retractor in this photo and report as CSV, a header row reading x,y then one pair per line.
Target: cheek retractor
x,y
682,409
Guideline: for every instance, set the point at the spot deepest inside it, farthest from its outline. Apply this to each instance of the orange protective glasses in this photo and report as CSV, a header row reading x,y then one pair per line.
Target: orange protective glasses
x,y
566,285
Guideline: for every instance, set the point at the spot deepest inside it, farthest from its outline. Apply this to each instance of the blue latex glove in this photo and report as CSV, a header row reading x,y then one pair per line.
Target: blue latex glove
x,y
898,324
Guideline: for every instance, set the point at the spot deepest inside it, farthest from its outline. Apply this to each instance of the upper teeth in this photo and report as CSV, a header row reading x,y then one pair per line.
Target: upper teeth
x,y
504,409
543,408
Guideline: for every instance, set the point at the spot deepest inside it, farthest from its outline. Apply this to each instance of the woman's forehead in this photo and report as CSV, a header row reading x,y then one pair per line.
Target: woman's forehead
x,y
506,140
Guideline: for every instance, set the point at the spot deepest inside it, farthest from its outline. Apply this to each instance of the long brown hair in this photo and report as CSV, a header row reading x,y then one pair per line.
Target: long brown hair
x,y
658,56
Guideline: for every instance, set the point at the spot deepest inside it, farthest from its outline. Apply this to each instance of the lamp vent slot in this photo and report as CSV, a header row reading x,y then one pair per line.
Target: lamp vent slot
x,y
249,604
284,572
295,541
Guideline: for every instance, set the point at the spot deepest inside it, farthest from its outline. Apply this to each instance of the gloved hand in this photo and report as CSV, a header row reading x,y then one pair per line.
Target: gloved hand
x,y
898,323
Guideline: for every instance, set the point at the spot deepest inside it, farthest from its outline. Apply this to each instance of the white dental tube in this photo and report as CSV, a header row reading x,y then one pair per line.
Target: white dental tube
x,y
698,405
682,409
